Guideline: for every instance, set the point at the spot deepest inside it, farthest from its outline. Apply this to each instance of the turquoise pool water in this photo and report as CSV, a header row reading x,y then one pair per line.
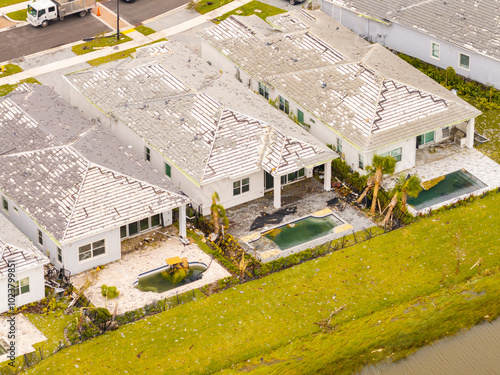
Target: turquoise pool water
x,y
452,186
302,231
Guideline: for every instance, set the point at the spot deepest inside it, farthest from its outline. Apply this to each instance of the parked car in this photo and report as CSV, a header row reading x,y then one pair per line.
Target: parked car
x,y
293,2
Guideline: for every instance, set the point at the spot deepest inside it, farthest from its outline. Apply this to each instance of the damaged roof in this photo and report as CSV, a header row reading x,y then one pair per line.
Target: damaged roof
x,y
14,246
202,121
470,24
64,192
362,91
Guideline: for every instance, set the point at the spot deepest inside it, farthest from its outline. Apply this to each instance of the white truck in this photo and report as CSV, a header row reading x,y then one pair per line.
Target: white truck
x,y
42,11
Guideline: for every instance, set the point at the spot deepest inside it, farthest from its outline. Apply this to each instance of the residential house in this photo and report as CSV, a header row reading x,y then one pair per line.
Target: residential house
x,y
26,267
201,128
75,210
463,34
355,96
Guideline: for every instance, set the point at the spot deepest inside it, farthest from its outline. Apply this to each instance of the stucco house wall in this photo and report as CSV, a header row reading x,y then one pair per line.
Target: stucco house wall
x,y
36,288
416,43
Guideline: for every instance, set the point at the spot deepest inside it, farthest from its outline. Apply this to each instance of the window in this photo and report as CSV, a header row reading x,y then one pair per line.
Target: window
x,y
284,105
144,224
312,121
140,226
168,170
52,9
290,177
59,255
396,153
300,116
155,220
91,250
40,237
147,153
464,61
264,91
339,145
21,286
240,187
361,163
41,12
425,138
5,204
435,50
133,228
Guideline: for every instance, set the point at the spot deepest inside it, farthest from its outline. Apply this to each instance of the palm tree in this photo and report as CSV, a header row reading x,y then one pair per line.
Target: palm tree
x,y
380,165
217,211
392,204
405,187
369,185
410,187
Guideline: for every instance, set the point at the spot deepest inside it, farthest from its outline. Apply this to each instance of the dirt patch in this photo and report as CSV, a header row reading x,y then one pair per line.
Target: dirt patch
x,y
4,23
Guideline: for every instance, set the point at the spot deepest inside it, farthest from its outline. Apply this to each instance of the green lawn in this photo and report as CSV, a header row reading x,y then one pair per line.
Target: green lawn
x,y
488,124
19,15
99,43
205,6
9,69
145,30
400,290
119,55
249,9
5,89
4,3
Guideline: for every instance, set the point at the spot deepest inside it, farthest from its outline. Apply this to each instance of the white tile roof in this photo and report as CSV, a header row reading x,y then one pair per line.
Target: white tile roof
x,y
472,25
362,91
66,194
24,259
204,138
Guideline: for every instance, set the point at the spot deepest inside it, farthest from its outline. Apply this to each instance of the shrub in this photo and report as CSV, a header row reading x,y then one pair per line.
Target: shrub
x,y
110,291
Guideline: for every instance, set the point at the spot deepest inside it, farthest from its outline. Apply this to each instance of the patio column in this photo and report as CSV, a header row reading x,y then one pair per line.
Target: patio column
x,y
277,192
470,133
328,176
182,221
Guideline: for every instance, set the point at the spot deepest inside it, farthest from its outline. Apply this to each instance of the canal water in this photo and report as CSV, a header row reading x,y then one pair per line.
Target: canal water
x,y
475,352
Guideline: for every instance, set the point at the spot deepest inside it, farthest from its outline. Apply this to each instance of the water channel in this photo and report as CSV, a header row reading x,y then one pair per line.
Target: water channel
x,y
475,352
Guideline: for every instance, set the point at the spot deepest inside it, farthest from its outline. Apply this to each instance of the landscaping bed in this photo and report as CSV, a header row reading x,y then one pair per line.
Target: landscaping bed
x,y
257,8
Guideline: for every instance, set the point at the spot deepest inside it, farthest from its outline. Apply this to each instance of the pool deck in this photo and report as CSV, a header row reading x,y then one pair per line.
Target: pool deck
x,y
309,198
442,161
123,273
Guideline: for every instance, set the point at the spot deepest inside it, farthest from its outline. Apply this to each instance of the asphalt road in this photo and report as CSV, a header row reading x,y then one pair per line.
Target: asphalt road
x,y
142,10
28,39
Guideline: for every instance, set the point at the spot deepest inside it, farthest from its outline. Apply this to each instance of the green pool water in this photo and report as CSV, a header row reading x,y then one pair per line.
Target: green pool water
x,y
158,283
301,231
452,186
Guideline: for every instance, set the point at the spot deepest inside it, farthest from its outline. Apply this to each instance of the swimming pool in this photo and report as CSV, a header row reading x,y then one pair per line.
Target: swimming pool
x,y
448,187
302,231
160,279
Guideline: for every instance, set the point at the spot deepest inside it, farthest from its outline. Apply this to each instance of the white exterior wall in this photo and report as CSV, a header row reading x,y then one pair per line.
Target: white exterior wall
x,y
36,283
30,229
415,43
112,251
224,188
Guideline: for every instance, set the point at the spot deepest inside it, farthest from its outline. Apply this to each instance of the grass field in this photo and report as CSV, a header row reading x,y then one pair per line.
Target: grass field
x,y
488,124
4,3
144,30
249,9
205,6
19,15
5,89
9,69
400,291
119,55
99,43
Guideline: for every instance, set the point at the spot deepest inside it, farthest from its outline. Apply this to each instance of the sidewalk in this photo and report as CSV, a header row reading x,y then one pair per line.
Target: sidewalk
x,y
138,40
